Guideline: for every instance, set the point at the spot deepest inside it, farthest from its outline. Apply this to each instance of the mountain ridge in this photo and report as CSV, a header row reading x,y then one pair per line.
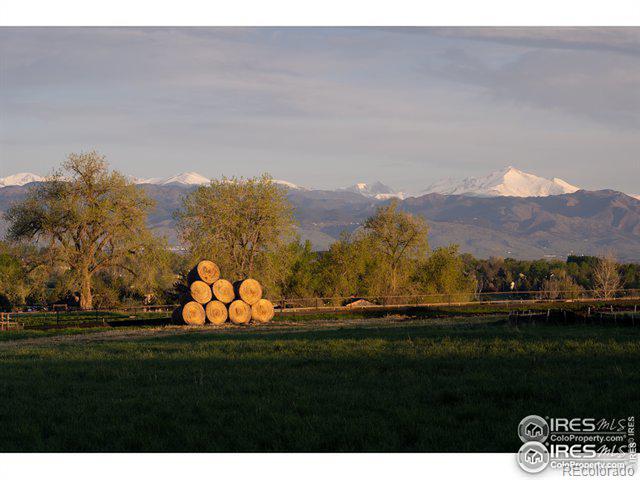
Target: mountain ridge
x,y
507,182
583,222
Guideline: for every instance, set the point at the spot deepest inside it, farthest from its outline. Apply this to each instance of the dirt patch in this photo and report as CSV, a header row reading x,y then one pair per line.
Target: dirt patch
x,y
118,334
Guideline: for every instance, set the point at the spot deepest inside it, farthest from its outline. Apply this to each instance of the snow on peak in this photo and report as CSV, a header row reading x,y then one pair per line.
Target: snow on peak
x,y
376,190
507,182
289,185
20,179
186,178
562,184
144,181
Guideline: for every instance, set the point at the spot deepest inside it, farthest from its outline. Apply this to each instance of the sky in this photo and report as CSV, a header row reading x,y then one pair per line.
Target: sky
x,y
326,107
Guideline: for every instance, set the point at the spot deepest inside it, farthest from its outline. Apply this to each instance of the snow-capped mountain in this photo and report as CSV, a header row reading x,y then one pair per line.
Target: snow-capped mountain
x,y
194,178
508,182
20,179
376,190
289,185
186,178
143,181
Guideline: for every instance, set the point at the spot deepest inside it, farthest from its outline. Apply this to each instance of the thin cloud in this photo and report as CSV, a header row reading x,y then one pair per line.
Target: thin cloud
x,y
625,40
306,103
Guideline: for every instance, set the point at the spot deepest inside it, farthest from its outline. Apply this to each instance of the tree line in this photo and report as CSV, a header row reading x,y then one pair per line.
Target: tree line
x,y
81,238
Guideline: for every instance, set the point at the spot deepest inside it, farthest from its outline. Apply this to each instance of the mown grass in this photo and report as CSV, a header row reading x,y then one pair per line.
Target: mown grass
x,y
397,387
71,318
22,334
480,309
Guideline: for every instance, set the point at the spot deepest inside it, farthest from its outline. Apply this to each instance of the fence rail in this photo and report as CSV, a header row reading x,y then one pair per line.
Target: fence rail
x,y
455,299
435,299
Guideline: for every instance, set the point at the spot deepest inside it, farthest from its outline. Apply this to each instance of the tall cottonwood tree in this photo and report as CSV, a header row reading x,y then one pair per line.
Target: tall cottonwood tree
x,y
400,238
237,222
90,218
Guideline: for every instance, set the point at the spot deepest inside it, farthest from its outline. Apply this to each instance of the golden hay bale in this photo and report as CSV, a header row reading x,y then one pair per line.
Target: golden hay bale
x,y
216,312
223,291
200,292
249,290
192,313
262,311
239,312
206,271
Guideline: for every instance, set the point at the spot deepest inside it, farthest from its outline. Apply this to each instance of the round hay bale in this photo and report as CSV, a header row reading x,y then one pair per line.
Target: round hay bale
x,y
200,292
249,290
262,311
193,313
205,271
223,291
239,312
216,312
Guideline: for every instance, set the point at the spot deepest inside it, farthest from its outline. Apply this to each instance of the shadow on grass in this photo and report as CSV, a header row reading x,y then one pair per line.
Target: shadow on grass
x,y
415,388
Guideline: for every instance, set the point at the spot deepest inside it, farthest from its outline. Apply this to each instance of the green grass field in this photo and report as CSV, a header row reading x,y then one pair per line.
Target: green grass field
x,y
374,385
73,318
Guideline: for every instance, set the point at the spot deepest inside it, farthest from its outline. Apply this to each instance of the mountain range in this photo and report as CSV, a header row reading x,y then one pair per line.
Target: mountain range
x,y
20,179
507,182
508,213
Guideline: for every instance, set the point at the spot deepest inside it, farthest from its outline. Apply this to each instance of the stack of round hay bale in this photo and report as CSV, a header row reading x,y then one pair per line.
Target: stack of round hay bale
x,y
215,299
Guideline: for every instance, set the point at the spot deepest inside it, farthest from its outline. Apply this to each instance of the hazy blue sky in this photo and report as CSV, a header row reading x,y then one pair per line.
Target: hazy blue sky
x,y
326,106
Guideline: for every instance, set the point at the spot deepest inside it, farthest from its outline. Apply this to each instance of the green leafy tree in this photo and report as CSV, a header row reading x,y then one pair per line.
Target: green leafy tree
x,y
237,222
444,273
295,266
343,270
399,239
560,284
91,219
24,274
13,279
630,275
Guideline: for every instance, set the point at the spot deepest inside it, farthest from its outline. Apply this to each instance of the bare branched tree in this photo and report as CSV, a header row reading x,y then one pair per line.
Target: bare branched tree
x,y
606,279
